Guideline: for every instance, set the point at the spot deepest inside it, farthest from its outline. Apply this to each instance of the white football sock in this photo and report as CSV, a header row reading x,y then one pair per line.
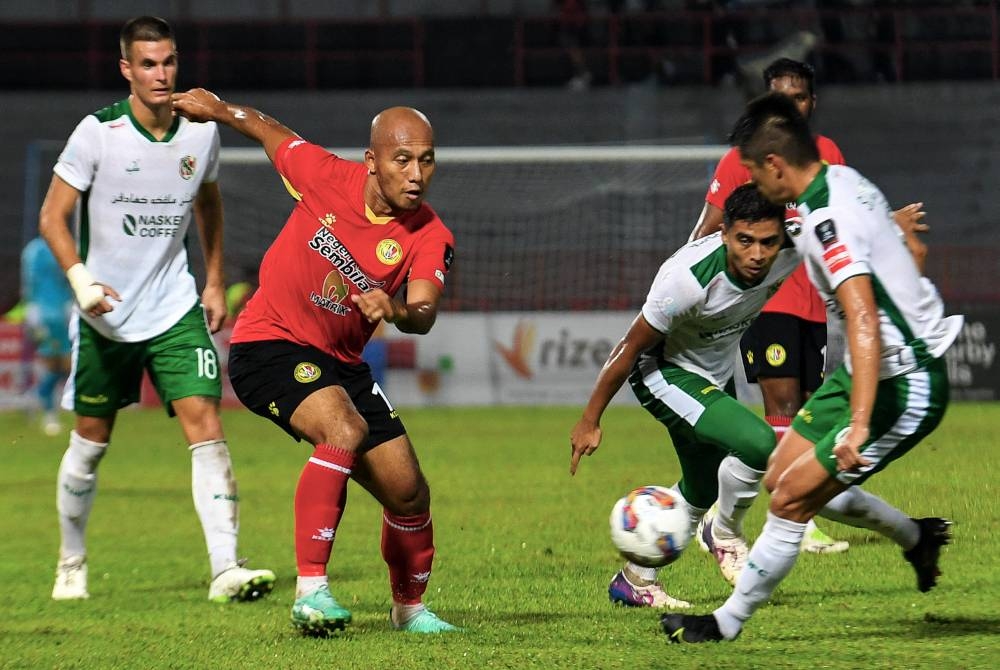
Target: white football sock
x,y
401,613
76,487
739,485
771,558
306,585
856,507
213,488
637,575
694,513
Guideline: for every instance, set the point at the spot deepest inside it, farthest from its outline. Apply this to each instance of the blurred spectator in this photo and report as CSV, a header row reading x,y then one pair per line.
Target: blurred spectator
x,y
573,37
48,303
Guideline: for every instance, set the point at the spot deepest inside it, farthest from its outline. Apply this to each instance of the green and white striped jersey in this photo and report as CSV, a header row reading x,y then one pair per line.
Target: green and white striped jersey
x,y
135,212
846,229
703,311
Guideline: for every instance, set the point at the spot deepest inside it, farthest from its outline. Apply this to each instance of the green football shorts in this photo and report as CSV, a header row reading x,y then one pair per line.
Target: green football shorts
x,y
705,423
107,375
907,408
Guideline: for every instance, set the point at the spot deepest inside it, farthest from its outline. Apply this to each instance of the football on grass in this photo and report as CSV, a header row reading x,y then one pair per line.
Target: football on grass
x,y
650,526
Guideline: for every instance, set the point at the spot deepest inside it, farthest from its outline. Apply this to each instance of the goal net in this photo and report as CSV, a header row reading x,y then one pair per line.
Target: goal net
x,y
536,228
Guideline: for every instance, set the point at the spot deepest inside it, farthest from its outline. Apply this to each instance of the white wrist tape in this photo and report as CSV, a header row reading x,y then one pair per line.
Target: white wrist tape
x,y
88,292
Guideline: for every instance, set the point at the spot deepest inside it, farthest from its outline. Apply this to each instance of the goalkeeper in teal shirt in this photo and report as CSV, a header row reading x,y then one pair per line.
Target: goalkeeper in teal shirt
x,y
49,302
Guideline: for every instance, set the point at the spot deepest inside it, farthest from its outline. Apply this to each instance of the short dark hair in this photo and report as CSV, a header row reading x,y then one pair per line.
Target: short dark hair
x,y
771,124
747,203
144,29
786,67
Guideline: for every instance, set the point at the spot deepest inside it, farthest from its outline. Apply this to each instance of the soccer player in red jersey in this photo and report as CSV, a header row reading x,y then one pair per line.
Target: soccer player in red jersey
x,y
784,349
361,247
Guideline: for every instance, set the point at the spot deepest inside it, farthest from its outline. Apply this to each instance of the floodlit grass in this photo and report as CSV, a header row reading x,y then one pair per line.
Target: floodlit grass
x,y
523,557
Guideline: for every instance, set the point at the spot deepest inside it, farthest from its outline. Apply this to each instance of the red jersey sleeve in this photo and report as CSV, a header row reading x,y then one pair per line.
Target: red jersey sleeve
x,y
433,258
729,175
829,151
303,164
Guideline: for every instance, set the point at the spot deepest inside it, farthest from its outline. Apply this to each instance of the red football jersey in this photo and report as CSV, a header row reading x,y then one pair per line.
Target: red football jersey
x,y
330,249
797,296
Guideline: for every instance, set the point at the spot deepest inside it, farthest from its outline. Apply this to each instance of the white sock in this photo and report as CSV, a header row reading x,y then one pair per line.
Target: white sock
x,y
401,613
694,513
213,488
305,585
771,558
739,485
76,487
637,575
856,507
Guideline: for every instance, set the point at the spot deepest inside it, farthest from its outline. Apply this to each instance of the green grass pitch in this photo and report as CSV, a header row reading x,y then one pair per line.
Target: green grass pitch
x,y
523,556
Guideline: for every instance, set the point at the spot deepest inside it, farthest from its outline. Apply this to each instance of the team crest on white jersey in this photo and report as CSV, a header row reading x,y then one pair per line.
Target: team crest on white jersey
x,y
187,167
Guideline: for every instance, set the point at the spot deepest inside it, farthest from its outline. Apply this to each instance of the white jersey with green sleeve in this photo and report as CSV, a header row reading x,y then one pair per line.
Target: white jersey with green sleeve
x,y
702,310
847,230
136,207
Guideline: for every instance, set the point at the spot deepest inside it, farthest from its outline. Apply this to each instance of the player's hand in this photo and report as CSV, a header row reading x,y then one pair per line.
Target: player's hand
x,y
847,446
103,306
910,218
377,305
197,105
213,299
584,441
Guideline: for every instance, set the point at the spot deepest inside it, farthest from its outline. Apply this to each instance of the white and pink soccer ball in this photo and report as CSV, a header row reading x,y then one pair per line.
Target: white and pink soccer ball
x,y
650,526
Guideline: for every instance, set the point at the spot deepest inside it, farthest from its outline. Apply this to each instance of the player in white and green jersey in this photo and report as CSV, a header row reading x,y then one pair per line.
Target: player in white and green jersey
x,y
890,393
138,191
141,175
679,356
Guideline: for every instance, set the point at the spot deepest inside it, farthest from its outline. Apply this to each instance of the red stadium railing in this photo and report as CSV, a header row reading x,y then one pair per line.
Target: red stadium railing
x,y
907,43
901,34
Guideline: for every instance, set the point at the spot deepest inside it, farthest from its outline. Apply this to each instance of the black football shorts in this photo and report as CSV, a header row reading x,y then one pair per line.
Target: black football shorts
x,y
782,345
273,377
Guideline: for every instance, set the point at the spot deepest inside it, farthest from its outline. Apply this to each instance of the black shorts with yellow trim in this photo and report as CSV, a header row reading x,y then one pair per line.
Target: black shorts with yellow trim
x,y
273,377
781,345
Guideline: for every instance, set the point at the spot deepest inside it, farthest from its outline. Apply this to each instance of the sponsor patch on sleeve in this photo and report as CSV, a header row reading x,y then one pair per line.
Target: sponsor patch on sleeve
x,y
835,254
449,256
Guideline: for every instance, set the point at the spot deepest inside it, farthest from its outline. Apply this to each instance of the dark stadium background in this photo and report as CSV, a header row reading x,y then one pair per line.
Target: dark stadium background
x,y
908,89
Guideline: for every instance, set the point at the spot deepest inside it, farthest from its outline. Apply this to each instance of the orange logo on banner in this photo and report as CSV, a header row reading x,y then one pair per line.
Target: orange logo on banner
x,y
517,354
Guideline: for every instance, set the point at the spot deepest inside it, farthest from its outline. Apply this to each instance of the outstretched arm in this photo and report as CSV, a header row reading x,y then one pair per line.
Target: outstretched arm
x,y
586,435
910,221
200,105
709,222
